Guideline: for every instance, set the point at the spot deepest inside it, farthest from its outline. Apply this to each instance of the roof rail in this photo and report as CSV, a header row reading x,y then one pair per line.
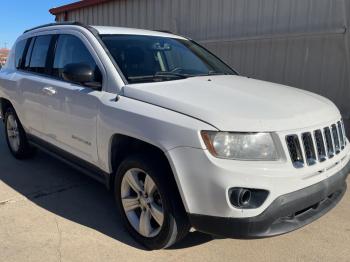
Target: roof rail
x,y
54,24
165,31
169,32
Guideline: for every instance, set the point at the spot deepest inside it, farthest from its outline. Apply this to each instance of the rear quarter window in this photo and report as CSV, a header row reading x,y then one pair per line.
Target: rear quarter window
x,y
19,50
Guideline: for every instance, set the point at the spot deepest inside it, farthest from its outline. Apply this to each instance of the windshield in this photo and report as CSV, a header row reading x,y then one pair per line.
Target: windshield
x,y
151,59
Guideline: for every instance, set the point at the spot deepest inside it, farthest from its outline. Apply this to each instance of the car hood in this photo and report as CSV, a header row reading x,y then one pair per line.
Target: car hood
x,y
236,103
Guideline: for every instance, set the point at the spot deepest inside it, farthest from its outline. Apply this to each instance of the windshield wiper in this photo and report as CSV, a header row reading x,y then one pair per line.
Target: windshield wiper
x,y
170,74
157,76
213,73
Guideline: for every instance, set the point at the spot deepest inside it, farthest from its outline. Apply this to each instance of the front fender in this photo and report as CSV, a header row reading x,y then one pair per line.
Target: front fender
x,y
160,127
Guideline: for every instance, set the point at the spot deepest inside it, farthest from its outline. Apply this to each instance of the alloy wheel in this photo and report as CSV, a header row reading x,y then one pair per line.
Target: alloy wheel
x,y
13,133
142,202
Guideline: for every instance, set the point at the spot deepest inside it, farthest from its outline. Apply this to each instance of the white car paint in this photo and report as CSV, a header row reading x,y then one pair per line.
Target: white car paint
x,y
238,103
170,116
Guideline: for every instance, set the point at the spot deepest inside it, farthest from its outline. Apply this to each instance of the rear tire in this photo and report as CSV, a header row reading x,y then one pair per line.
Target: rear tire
x,y
168,222
16,137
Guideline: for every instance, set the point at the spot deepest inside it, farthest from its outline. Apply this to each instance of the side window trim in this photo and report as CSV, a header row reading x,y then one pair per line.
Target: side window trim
x,y
24,55
30,50
51,54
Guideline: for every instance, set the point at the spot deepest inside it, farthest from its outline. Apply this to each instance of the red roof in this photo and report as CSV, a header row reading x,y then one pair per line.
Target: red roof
x,y
75,5
4,51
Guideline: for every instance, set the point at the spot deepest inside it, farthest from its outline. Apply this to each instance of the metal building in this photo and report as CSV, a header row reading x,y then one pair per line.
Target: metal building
x,y
302,43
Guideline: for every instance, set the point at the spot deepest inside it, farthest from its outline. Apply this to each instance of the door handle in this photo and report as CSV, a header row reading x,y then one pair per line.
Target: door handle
x,y
49,90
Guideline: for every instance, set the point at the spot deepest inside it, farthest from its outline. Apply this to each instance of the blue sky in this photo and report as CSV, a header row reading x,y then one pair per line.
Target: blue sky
x,y
18,15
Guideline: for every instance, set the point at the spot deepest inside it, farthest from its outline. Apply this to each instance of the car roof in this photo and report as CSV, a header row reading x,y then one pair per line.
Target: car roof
x,y
104,30
111,30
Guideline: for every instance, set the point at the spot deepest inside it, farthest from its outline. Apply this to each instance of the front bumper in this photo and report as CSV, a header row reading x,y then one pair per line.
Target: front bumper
x,y
286,213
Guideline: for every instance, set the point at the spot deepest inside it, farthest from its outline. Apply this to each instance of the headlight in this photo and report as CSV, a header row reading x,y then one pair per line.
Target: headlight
x,y
241,146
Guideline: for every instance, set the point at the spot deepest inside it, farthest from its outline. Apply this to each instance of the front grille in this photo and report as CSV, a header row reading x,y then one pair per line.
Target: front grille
x,y
317,145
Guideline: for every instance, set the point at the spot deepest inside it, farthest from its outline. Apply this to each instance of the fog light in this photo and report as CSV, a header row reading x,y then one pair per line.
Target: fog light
x,y
240,197
247,198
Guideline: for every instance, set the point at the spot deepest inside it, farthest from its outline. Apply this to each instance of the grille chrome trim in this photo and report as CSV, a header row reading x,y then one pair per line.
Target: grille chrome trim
x,y
335,138
344,133
295,151
329,142
321,149
341,135
316,146
309,148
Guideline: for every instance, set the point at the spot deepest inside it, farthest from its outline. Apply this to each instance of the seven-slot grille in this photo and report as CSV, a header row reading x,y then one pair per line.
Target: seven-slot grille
x,y
316,146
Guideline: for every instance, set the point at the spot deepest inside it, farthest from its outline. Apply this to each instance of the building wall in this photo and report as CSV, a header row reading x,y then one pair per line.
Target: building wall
x,y
4,52
302,43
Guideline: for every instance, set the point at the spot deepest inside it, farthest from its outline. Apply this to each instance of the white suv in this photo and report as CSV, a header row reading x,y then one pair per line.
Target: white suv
x,y
178,136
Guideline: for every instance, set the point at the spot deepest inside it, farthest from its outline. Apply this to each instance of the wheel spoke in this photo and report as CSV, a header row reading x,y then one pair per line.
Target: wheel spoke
x,y
12,122
145,227
17,142
150,186
130,203
133,181
157,213
10,132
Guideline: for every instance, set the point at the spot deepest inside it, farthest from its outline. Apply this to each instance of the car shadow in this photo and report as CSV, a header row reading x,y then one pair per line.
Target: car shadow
x,y
62,190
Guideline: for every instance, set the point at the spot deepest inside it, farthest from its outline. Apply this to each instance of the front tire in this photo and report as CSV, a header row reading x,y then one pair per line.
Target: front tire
x,y
15,136
149,203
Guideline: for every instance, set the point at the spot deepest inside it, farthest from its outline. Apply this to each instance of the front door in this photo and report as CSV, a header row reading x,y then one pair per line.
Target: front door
x,y
70,121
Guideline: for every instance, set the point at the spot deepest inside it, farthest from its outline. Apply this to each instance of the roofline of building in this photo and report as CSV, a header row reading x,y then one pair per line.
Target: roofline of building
x,y
75,5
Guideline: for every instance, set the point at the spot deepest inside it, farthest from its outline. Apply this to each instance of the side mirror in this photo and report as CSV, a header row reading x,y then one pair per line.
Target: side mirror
x,y
82,74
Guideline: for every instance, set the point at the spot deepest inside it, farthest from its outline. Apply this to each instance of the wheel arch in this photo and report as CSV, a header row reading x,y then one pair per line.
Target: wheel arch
x,y
123,145
4,105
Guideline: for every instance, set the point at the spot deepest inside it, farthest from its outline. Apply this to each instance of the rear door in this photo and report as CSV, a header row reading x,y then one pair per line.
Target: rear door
x,y
32,80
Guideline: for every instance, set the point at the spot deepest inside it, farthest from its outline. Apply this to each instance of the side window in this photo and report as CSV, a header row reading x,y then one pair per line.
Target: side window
x,y
19,50
71,50
39,54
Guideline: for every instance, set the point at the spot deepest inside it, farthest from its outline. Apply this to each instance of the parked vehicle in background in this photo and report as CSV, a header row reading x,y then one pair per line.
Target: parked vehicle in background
x,y
178,136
